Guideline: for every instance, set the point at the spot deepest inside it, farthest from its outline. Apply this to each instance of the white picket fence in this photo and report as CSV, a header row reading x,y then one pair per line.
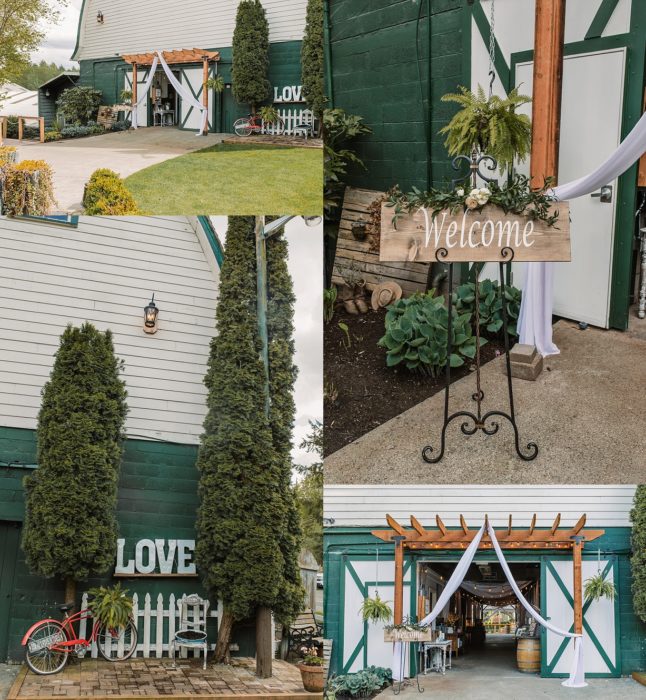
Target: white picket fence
x,y
153,633
290,117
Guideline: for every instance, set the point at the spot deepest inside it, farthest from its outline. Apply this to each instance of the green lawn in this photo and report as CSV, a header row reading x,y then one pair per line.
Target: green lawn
x,y
222,179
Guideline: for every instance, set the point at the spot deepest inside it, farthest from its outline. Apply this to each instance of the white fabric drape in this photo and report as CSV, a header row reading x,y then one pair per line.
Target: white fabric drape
x,y
535,320
185,94
145,88
577,677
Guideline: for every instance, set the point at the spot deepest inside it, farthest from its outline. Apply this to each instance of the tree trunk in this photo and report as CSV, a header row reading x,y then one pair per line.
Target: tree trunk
x,y
225,628
70,593
264,643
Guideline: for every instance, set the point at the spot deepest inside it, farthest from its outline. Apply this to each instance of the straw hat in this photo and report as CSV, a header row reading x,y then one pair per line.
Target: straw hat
x,y
384,294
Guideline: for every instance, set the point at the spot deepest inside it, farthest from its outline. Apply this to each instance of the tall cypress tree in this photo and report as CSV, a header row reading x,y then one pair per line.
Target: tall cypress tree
x,y
70,521
638,559
250,48
312,58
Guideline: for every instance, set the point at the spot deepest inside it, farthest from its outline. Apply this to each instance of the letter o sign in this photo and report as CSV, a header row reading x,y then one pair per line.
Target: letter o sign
x,y
149,547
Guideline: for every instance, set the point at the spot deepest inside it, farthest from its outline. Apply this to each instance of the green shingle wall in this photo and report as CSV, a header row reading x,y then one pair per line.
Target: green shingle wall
x,y
107,75
380,58
157,499
339,542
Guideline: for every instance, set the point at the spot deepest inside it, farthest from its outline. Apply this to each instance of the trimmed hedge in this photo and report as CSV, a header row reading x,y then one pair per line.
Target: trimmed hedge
x,y
106,195
8,154
27,188
74,132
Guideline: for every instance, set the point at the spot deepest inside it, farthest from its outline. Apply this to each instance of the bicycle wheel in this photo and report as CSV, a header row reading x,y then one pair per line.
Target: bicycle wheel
x,y
117,645
242,127
278,127
40,657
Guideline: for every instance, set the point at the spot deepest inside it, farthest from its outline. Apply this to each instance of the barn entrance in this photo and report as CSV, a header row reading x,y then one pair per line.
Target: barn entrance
x,y
163,104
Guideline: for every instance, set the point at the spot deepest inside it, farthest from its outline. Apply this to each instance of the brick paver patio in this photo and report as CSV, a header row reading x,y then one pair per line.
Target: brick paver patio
x,y
153,678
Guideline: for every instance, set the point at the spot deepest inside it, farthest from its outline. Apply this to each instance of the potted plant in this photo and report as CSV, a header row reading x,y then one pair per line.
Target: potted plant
x,y
375,609
110,606
216,84
312,671
596,587
126,97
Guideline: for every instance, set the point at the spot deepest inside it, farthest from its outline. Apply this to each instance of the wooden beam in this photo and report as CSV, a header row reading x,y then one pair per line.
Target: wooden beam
x,y
509,526
417,525
398,612
395,525
533,525
546,93
134,90
577,585
41,125
20,126
579,525
205,92
555,524
464,525
440,525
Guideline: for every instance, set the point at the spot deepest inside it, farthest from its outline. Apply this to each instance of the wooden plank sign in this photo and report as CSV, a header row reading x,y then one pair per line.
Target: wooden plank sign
x,y
474,236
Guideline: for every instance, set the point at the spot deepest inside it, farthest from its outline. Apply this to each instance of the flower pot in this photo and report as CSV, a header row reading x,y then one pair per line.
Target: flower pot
x,y
313,678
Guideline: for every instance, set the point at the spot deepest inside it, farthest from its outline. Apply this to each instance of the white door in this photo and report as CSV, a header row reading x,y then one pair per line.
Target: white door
x,y
599,620
591,111
192,80
142,109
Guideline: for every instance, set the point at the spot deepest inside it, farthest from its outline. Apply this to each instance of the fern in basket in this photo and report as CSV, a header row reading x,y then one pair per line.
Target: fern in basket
x,y
112,607
596,587
375,610
491,124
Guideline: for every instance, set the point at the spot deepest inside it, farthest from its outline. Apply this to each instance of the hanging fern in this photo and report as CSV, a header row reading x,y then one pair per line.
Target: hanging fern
x,y
376,610
492,125
596,587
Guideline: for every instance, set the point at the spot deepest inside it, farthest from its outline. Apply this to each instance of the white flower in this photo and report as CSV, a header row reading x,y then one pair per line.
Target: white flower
x,y
460,192
471,202
482,195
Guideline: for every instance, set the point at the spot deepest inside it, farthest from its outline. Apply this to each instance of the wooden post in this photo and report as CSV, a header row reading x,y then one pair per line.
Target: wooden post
x,y
264,643
134,92
577,593
205,92
398,613
546,93
19,128
41,124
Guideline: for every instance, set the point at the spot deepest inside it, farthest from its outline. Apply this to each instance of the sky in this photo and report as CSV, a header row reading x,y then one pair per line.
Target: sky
x,y
60,39
305,264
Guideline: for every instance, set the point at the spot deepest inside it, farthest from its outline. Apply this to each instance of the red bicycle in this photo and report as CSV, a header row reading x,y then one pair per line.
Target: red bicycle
x,y
254,124
49,643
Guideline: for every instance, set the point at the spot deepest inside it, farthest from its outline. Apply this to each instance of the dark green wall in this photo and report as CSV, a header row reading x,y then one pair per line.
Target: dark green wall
x,y
380,58
157,499
339,542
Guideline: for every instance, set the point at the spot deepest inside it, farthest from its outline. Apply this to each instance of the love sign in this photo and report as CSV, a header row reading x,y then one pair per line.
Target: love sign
x,y
156,558
473,236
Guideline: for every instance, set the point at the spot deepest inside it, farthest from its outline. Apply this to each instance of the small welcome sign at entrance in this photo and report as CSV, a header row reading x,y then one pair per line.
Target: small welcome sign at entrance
x,y
473,235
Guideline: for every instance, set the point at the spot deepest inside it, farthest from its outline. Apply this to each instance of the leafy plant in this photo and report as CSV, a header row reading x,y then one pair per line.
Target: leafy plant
x,y
347,342
79,104
27,188
216,83
361,684
329,300
491,124
490,311
375,609
407,625
417,331
77,131
268,114
310,656
106,195
122,125
638,558
53,136
126,96
111,606
8,154
596,587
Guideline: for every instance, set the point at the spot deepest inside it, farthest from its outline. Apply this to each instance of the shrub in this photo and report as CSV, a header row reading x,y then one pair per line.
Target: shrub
x,y
250,48
122,125
417,331
74,132
491,318
8,154
312,58
638,546
79,104
27,188
53,136
361,684
106,195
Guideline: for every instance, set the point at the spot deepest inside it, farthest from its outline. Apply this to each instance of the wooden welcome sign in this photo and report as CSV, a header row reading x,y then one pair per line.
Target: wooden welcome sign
x,y
474,236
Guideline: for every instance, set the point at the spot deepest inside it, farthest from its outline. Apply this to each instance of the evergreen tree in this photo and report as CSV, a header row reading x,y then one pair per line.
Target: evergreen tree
x,y
249,72
638,559
243,552
309,493
70,521
312,58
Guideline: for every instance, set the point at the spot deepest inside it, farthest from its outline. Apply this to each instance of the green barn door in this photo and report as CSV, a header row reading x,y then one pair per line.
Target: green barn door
x,y
9,544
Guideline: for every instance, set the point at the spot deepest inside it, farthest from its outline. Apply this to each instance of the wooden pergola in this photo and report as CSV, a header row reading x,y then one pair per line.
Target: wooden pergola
x,y
176,56
555,537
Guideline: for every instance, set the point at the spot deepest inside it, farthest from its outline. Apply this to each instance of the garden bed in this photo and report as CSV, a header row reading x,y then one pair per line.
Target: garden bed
x,y
367,392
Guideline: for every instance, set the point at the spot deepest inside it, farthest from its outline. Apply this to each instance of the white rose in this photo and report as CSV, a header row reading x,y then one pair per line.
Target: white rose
x,y
474,193
460,192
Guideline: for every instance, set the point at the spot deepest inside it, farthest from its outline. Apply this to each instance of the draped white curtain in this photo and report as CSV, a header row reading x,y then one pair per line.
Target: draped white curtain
x,y
182,91
576,678
535,319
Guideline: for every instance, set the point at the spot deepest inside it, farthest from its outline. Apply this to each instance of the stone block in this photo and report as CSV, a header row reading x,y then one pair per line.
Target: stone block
x,y
526,363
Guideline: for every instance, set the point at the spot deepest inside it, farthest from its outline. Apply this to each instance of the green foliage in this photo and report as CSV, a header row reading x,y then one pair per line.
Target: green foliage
x,y
250,47
268,114
121,125
638,558
70,526
33,75
375,609
329,300
248,535
27,188
125,96
52,135
492,125
106,195
216,83
110,605
596,587
309,492
491,318
417,331
361,684
312,58
79,105
75,132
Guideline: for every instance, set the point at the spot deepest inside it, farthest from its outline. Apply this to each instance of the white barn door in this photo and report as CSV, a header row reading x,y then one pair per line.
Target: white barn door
x,y
600,632
590,132
189,117
142,109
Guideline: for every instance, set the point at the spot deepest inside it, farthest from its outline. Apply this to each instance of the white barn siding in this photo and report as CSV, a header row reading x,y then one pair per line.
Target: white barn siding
x,y
104,272
131,27
366,505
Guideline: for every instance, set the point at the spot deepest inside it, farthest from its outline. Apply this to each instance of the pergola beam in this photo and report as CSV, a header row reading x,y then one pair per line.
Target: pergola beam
x,y
174,56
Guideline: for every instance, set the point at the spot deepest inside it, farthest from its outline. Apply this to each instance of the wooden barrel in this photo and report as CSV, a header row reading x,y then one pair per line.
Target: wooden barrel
x,y
528,654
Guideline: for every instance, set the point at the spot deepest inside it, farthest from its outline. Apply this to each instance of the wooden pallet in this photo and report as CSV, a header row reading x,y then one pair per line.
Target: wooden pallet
x,y
106,117
411,276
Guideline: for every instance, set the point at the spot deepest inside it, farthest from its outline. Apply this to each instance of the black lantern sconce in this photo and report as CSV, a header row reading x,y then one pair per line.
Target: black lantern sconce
x,y
99,17
150,316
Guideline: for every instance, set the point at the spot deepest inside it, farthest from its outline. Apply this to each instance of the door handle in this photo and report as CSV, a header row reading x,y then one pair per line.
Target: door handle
x,y
604,194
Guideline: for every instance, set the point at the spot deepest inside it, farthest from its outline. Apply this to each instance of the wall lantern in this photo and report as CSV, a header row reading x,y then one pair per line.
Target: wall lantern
x,y
227,86
47,92
150,316
99,17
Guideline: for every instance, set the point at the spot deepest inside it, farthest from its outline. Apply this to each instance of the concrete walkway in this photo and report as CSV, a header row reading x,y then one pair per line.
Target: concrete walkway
x,y
8,673
492,673
586,413
125,152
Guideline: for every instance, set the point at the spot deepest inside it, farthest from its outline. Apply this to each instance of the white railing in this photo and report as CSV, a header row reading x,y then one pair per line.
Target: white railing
x,y
155,626
290,117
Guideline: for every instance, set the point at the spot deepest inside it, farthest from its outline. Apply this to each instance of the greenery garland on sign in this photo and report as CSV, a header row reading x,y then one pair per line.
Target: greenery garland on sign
x,y
638,559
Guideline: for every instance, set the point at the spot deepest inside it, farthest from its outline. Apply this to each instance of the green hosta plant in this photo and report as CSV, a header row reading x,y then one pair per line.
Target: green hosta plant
x,y
491,317
417,331
375,609
596,587
361,684
111,606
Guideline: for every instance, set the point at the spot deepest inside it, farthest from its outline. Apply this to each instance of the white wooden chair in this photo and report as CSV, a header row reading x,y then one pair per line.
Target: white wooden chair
x,y
192,625
305,127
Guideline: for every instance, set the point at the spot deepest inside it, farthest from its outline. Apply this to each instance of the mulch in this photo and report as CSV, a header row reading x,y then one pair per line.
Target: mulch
x,y
269,140
361,393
